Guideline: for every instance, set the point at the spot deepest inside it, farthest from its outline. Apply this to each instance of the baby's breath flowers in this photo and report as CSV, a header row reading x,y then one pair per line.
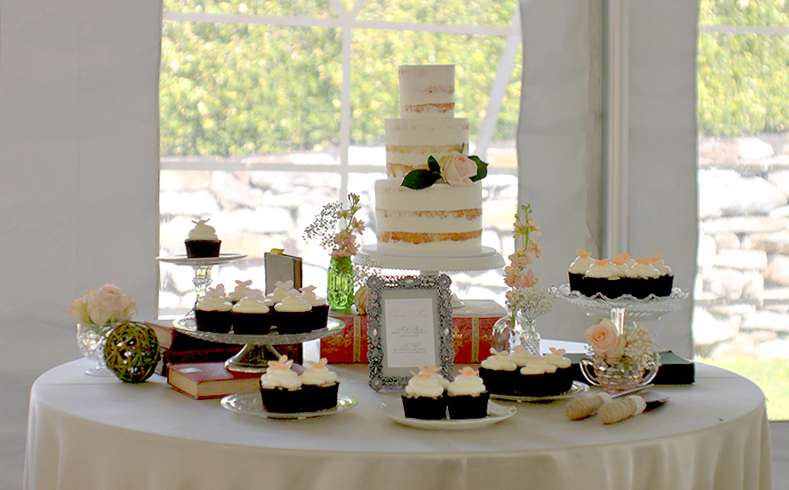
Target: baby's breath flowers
x,y
340,243
532,302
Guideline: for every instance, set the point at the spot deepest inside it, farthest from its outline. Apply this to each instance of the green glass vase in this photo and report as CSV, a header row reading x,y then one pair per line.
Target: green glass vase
x,y
340,284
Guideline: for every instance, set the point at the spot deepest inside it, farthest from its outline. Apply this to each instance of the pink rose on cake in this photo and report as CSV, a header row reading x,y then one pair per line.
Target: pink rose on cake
x,y
458,169
107,305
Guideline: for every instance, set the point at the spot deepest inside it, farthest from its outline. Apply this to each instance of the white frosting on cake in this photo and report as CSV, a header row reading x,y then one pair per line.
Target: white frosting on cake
x,y
280,375
427,91
409,142
202,231
318,374
441,217
467,382
424,384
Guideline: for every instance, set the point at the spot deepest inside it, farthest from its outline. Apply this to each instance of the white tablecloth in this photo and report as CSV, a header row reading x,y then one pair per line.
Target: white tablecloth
x,y
98,433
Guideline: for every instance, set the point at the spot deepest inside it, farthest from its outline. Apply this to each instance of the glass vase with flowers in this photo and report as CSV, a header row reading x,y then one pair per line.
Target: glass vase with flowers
x,y
97,313
342,246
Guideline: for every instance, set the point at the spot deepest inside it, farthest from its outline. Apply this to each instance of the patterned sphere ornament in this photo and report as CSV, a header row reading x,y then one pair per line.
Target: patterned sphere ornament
x,y
132,351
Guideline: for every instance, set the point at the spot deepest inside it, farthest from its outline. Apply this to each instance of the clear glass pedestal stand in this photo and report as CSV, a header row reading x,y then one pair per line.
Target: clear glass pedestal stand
x,y
202,270
626,308
252,357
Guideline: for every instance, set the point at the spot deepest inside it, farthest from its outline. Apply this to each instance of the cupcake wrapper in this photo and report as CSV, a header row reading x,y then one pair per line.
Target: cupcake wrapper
x,y
213,321
420,407
196,249
251,323
280,400
468,406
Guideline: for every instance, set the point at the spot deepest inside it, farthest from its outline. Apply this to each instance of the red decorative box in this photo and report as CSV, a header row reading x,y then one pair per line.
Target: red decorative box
x,y
472,331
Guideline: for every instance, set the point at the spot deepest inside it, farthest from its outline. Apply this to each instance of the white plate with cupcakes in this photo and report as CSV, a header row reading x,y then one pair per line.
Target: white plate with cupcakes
x,y
252,404
496,413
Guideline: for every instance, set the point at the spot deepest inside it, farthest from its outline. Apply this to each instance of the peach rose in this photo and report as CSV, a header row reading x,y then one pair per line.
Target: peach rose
x,y
602,336
458,170
617,350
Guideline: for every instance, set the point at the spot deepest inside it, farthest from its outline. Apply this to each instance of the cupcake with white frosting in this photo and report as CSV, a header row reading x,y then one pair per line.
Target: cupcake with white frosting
x,y
319,387
498,372
641,278
424,397
250,315
665,280
292,315
280,387
320,307
467,397
202,241
213,311
545,375
578,268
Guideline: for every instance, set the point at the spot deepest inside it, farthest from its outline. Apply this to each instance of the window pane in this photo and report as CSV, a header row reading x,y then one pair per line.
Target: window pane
x,y
287,8
743,12
491,13
741,305
253,212
238,89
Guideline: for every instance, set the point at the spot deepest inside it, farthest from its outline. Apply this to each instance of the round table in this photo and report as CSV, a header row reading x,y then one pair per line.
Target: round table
x,y
98,433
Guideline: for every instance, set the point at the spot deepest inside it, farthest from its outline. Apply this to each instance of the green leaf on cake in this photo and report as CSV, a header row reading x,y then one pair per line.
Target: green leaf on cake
x,y
482,168
420,179
432,164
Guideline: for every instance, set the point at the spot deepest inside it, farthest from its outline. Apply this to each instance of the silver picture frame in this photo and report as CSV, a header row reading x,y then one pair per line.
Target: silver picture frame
x,y
409,324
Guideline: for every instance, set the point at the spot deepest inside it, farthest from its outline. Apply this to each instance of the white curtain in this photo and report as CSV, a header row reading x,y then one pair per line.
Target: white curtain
x,y
563,144
79,201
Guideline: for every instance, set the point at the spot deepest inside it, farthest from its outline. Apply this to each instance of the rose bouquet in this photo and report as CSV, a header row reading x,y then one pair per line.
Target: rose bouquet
x,y
102,307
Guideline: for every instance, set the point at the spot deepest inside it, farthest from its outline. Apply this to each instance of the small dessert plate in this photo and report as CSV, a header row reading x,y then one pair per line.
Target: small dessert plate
x,y
184,260
496,414
252,404
576,389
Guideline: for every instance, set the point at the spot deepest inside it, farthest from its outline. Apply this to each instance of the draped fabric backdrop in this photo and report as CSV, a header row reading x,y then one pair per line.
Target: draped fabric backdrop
x,y
562,144
79,201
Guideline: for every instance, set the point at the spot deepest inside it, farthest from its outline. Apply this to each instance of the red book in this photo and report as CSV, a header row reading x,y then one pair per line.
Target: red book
x,y
210,380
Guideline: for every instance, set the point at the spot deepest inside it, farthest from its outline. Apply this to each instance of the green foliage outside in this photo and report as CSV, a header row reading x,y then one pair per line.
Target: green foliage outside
x,y
244,89
770,374
743,79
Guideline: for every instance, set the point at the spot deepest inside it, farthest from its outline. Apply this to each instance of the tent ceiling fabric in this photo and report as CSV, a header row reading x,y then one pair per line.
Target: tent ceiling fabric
x,y
560,143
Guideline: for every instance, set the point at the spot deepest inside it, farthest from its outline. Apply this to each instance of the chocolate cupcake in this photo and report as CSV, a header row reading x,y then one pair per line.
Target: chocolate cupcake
x,y
320,308
578,268
424,398
251,316
202,241
280,388
498,373
213,311
467,397
319,386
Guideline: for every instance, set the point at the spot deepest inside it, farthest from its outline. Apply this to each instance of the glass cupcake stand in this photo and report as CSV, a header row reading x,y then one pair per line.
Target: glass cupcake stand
x,y
625,309
252,357
202,268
